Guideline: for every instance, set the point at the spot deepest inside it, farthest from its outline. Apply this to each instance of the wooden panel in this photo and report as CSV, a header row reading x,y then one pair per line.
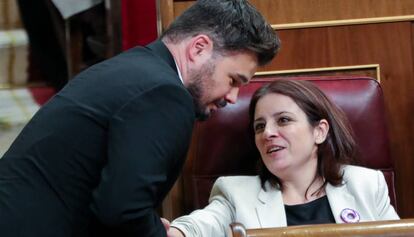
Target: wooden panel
x,y
281,11
372,71
179,7
166,8
173,204
295,11
113,27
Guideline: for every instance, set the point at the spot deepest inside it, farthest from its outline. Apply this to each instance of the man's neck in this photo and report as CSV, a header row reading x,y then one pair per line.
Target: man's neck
x,y
178,53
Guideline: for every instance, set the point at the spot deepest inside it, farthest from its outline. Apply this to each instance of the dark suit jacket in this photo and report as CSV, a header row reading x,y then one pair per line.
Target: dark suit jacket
x,y
102,154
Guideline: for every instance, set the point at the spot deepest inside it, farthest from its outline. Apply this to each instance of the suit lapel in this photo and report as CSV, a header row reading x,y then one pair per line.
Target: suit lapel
x,y
270,209
339,200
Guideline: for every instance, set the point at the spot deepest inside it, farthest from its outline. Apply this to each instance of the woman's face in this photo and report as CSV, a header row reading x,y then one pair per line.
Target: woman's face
x,y
284,137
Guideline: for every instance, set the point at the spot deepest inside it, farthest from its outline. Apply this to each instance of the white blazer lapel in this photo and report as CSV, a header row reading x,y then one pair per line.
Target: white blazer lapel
x,y
340,201
270,209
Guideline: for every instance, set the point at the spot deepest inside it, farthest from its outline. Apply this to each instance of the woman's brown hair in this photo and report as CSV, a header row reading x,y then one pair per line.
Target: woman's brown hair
x,y
338,149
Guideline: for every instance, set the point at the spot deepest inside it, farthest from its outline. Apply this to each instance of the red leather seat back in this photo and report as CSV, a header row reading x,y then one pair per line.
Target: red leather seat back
x,y
223,146
42,94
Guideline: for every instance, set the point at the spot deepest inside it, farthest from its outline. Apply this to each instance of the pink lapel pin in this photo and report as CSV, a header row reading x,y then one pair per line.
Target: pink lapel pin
x,y
349,216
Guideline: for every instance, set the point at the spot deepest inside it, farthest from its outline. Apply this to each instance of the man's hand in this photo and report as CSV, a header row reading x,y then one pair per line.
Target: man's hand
x,y
171,232
166,224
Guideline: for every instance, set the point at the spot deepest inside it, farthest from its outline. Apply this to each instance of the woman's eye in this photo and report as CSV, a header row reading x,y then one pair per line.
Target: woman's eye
x,y
259,127
283,120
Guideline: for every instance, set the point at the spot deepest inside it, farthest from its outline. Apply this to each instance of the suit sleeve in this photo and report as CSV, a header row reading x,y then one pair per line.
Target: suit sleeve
x,y
147,142
214,219
385,209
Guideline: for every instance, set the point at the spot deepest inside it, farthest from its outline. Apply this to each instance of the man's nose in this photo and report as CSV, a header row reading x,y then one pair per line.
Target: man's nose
x,y
231,97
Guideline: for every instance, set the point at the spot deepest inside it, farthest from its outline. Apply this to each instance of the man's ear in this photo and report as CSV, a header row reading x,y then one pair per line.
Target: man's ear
x,y
321,131
200,47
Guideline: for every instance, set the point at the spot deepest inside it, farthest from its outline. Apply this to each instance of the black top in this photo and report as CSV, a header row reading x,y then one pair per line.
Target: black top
x,y
316,212
102,154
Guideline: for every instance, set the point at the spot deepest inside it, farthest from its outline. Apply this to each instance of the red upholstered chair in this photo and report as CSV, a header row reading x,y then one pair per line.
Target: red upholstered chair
x,y
223,146
42,94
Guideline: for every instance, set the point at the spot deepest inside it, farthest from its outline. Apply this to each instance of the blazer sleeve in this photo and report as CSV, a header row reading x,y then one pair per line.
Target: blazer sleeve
x,y
147,142
385,210
214,219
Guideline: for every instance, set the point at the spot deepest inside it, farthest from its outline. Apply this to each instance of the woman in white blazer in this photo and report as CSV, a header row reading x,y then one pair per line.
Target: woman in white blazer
x,y
306,175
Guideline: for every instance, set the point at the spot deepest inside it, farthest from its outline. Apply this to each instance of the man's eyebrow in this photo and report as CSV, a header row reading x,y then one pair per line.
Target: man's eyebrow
x,y
243,79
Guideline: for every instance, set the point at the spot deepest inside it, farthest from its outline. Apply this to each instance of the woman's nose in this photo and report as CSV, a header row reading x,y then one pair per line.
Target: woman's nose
x,y
270,131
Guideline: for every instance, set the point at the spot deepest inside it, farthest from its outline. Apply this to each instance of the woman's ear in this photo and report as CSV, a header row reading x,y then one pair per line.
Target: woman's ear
x,y
321,131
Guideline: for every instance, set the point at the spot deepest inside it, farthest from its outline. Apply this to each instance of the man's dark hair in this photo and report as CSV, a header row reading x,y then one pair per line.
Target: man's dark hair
x,y
233,25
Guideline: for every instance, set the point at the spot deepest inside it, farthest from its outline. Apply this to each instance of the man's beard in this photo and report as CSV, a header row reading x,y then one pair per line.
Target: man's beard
x,y
199,85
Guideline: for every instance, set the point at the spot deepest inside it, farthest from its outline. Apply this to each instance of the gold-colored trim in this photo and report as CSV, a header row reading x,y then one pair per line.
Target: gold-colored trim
x,y
343,22
324,69
8,86
12,57
159,18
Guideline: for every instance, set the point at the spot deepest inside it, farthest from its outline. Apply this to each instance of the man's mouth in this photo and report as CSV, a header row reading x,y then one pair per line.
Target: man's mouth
x,y
213,109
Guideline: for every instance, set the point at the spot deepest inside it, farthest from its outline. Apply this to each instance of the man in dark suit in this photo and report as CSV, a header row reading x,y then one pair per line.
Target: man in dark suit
x,y
99,157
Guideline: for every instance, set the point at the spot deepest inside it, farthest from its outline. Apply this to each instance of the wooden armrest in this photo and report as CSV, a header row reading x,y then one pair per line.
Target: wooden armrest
x,y
395,228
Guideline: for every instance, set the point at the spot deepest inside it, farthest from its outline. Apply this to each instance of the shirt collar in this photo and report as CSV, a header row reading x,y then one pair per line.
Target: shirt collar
x,y
179,72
